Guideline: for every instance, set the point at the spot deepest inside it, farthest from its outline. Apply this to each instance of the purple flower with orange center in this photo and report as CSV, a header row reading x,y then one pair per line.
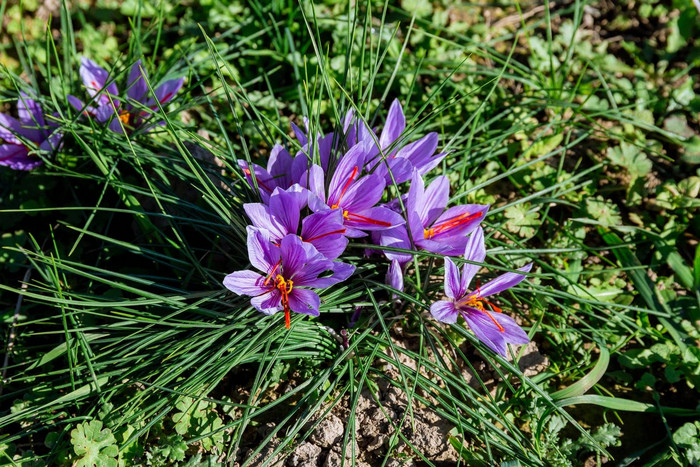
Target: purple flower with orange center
x,y
289,269
433,227
484,318
107,108
354,195
20,137
282,216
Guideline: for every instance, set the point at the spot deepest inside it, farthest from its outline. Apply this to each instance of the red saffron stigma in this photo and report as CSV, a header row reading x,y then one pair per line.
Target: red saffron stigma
x,y
500,328
345,188
450,224
272,273
285,287
358,218
341,231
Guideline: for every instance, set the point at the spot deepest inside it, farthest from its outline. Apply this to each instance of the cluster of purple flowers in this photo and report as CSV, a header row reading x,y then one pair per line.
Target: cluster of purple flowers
x,y
121,113
21,138
331,190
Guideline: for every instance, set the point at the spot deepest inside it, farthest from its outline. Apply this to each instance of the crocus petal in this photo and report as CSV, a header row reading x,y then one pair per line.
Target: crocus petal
x,y
259,216
419,153
444,312
116,126
396,238
325,147
294,256
363,194
474,251
166,91
313,180
504,281
53,142
300,134
449,246
246,283
304,301
80,106
299,168
377,218
17,157
29,112
486,330
346,173
262,177
279,166
268,303
394,126
262,254
416,195
490,334
285,208
394,276
454,285
340,272
137,87
435,200
94,79
105,112
394,170
324,230
9,128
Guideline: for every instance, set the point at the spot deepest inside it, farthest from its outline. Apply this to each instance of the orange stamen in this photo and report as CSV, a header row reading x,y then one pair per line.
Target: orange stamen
x,y
345,188
341,231
477,301
285,287
358,218
450,224
125,117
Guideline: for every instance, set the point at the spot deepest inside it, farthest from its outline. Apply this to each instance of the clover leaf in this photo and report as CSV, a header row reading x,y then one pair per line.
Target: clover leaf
x,y
630,157
95,446
521,220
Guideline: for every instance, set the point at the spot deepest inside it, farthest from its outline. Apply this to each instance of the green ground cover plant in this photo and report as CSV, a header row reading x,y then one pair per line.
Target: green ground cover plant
x,y
575,122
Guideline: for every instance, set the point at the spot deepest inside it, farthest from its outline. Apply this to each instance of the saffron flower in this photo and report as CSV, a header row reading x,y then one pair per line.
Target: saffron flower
x,y
490,326
354,195
108,109
287,268
281,216
401,159
17,135
433,228
281,172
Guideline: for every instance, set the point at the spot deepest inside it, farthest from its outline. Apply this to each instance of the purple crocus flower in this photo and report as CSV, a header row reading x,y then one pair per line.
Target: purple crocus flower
x,y
108,109
432,227
31,127
401,158
281,216
491,327
286,268
282,172
354,195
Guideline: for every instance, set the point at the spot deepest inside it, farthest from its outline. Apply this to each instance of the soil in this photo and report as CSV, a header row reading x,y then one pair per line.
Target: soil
x,y
376,421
